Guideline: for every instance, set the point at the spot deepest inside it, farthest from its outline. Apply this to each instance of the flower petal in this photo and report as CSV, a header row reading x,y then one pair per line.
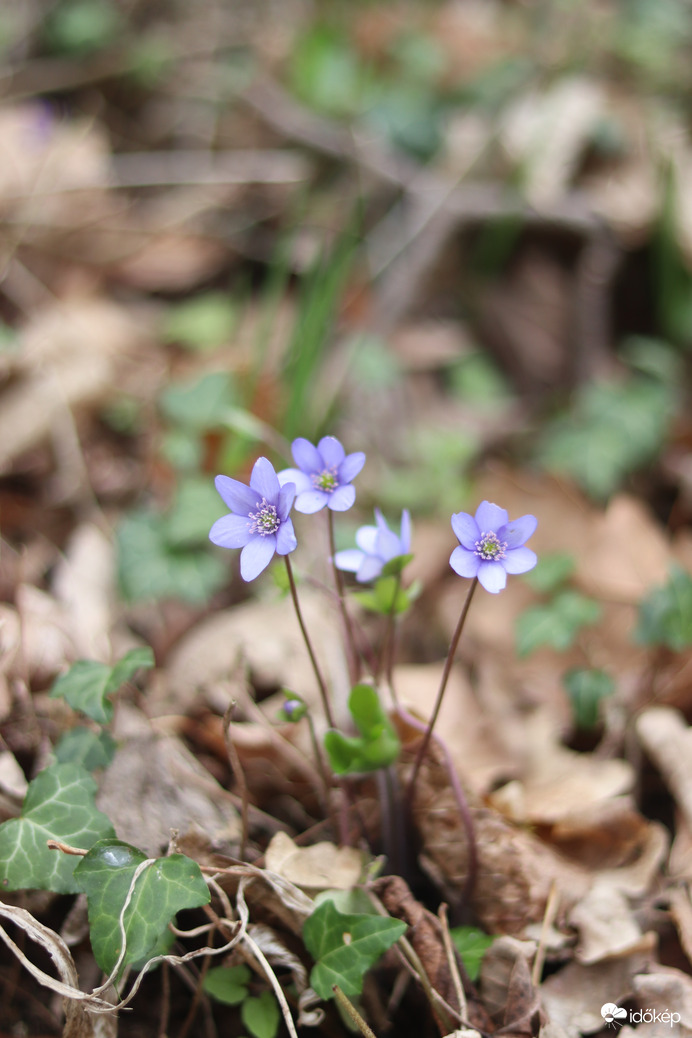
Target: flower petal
x,y
519,560
406,531
341,499
350,467
366,539
287,496
464,562
286,541
518,531
256,556
301,479
349,560
231,531
306,456
466,529
264,481
492,576
331,452
236,495
309,501
369,569
490,517
388,545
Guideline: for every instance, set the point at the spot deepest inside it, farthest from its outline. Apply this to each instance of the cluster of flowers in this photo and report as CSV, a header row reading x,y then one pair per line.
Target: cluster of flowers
x,y
490,545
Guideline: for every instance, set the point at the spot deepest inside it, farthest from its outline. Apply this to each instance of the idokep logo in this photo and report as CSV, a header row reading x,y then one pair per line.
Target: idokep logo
x,y
610,1013
613,1014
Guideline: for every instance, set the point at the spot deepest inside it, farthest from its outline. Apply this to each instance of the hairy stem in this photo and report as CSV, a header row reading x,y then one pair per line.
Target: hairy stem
x,y
352,656
308,644
422,750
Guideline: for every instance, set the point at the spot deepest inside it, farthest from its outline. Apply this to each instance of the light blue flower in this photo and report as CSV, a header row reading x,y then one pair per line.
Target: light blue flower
x,y
377,545
490,546
323,476
259,518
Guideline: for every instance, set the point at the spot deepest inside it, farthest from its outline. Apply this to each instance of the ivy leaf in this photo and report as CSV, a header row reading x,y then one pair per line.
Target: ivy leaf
x,y
346,946
163,888
59,805
88,683
227,984
665,615
261,1015
83,746
555,624
586,688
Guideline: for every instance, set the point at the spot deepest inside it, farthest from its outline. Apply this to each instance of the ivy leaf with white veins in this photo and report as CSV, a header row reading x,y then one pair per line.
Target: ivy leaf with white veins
x,y
59,805
346,946
163,888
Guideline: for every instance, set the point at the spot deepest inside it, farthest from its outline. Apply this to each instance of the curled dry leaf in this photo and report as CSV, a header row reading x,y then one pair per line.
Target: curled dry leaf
x,y
84,582
606,925
668,741
322,866
506,987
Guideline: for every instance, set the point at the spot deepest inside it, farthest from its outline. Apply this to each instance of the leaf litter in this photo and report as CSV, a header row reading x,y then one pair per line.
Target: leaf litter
x,y
582,839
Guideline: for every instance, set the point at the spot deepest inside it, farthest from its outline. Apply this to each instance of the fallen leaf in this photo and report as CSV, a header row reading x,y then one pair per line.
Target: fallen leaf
x,y
321,866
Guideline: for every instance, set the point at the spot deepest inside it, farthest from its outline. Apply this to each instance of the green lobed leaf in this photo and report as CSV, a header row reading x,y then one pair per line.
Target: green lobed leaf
x,y
87,684
472,944
227,984
150,569
261,1015
202,403
196,507
203,322
586,688
59,805
164,888
345,947
83,746
550,572
555,624
378,744
665,615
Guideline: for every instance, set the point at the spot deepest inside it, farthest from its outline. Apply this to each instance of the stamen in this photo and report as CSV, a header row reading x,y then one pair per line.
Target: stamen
x,y
326,480
490,548
264,520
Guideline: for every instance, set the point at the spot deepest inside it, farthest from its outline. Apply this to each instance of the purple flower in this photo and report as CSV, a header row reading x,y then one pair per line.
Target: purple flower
x,y
323,476
377,545
490,546
258,522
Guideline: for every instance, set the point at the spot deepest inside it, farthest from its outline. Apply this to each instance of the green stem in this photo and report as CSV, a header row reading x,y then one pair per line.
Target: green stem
x,y
308,644
441,691
351,650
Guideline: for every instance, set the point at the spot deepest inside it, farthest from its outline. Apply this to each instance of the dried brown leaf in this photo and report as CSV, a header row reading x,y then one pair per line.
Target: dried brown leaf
x,y
321,866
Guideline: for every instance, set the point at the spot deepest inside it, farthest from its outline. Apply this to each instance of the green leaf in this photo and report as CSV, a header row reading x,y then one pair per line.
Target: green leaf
x,y
227,984
261,1015
200,404
92,750
202,323
345,947
586,688
88,683
378,744
472,944
150,569
612,429
555,624
550,572
59,805
197,506
665,615
164,888
387,596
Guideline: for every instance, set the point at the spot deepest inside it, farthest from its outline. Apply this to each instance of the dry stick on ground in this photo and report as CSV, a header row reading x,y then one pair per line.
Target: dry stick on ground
x,y
439,207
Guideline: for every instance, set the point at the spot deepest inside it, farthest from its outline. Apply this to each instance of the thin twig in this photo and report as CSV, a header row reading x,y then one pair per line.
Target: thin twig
x,y
352,1013
239,776
452,959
